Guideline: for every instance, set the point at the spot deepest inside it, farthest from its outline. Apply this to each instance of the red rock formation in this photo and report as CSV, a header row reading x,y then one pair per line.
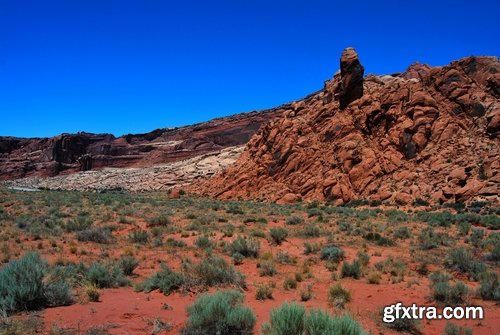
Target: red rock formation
x,y
68,153
429,133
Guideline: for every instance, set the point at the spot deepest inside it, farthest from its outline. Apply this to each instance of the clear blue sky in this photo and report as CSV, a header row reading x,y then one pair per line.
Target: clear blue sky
x,y
133,66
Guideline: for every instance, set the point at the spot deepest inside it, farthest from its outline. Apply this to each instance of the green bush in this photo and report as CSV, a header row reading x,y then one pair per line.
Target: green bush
x,y
139,236
311,248
23,286
294,220
332,253
166,281
221,313
267,268
338,296
461,260
378,239
311,230
453,329
351,269
128,264
160,220
402,233
288,319
244,246
264,292
278,235
489,288
292,319
445,293
214,270
476,237
97,235
106,276
319,322
203,242
464,228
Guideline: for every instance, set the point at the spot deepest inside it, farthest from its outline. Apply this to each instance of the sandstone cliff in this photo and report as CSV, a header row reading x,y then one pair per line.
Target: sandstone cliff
x,y
429,133
69,153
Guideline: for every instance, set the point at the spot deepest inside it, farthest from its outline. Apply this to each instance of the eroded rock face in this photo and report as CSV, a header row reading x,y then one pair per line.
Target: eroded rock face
x,y
70,153
428,133
350,85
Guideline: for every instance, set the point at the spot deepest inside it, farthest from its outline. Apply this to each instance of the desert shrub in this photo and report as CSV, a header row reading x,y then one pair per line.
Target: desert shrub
x,y
128,264
311,248
405,325
292,319
105,276
171,242
332,253
221,313
97,235
476,237
374,277
245,247
351,269
464,228
441,219
453,329
363,258
495,253
402,233
446,293
166,281
235,209
203,242
81,222
395,267
306,293
214,270
92,293
238,258
284,257
58,293
139,236
429,239
461,260
264,292
338,296
290,283
491,221
311,230
278,235
319,322
294,220
489,288
288,319
23,286
160,220
267,268
378,239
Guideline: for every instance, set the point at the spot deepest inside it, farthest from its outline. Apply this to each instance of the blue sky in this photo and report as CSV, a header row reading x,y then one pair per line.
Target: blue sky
x,y
134,66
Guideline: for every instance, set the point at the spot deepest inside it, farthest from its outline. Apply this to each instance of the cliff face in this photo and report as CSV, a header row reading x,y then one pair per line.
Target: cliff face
x,y
428,133
69,153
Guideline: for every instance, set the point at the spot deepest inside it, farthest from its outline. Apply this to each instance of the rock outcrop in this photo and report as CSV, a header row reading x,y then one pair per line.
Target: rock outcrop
x,y
429,133
70,153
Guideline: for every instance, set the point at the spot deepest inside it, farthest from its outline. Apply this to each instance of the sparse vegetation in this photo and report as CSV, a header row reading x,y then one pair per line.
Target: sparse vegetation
x,y
221,313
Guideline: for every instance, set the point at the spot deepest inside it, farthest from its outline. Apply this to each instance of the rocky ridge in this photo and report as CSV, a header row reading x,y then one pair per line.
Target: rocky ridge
x,y
161,177
430,133
70,153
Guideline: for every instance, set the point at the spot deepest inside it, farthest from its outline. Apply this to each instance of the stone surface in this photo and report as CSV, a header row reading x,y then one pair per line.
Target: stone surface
x,y
429,133
70,153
